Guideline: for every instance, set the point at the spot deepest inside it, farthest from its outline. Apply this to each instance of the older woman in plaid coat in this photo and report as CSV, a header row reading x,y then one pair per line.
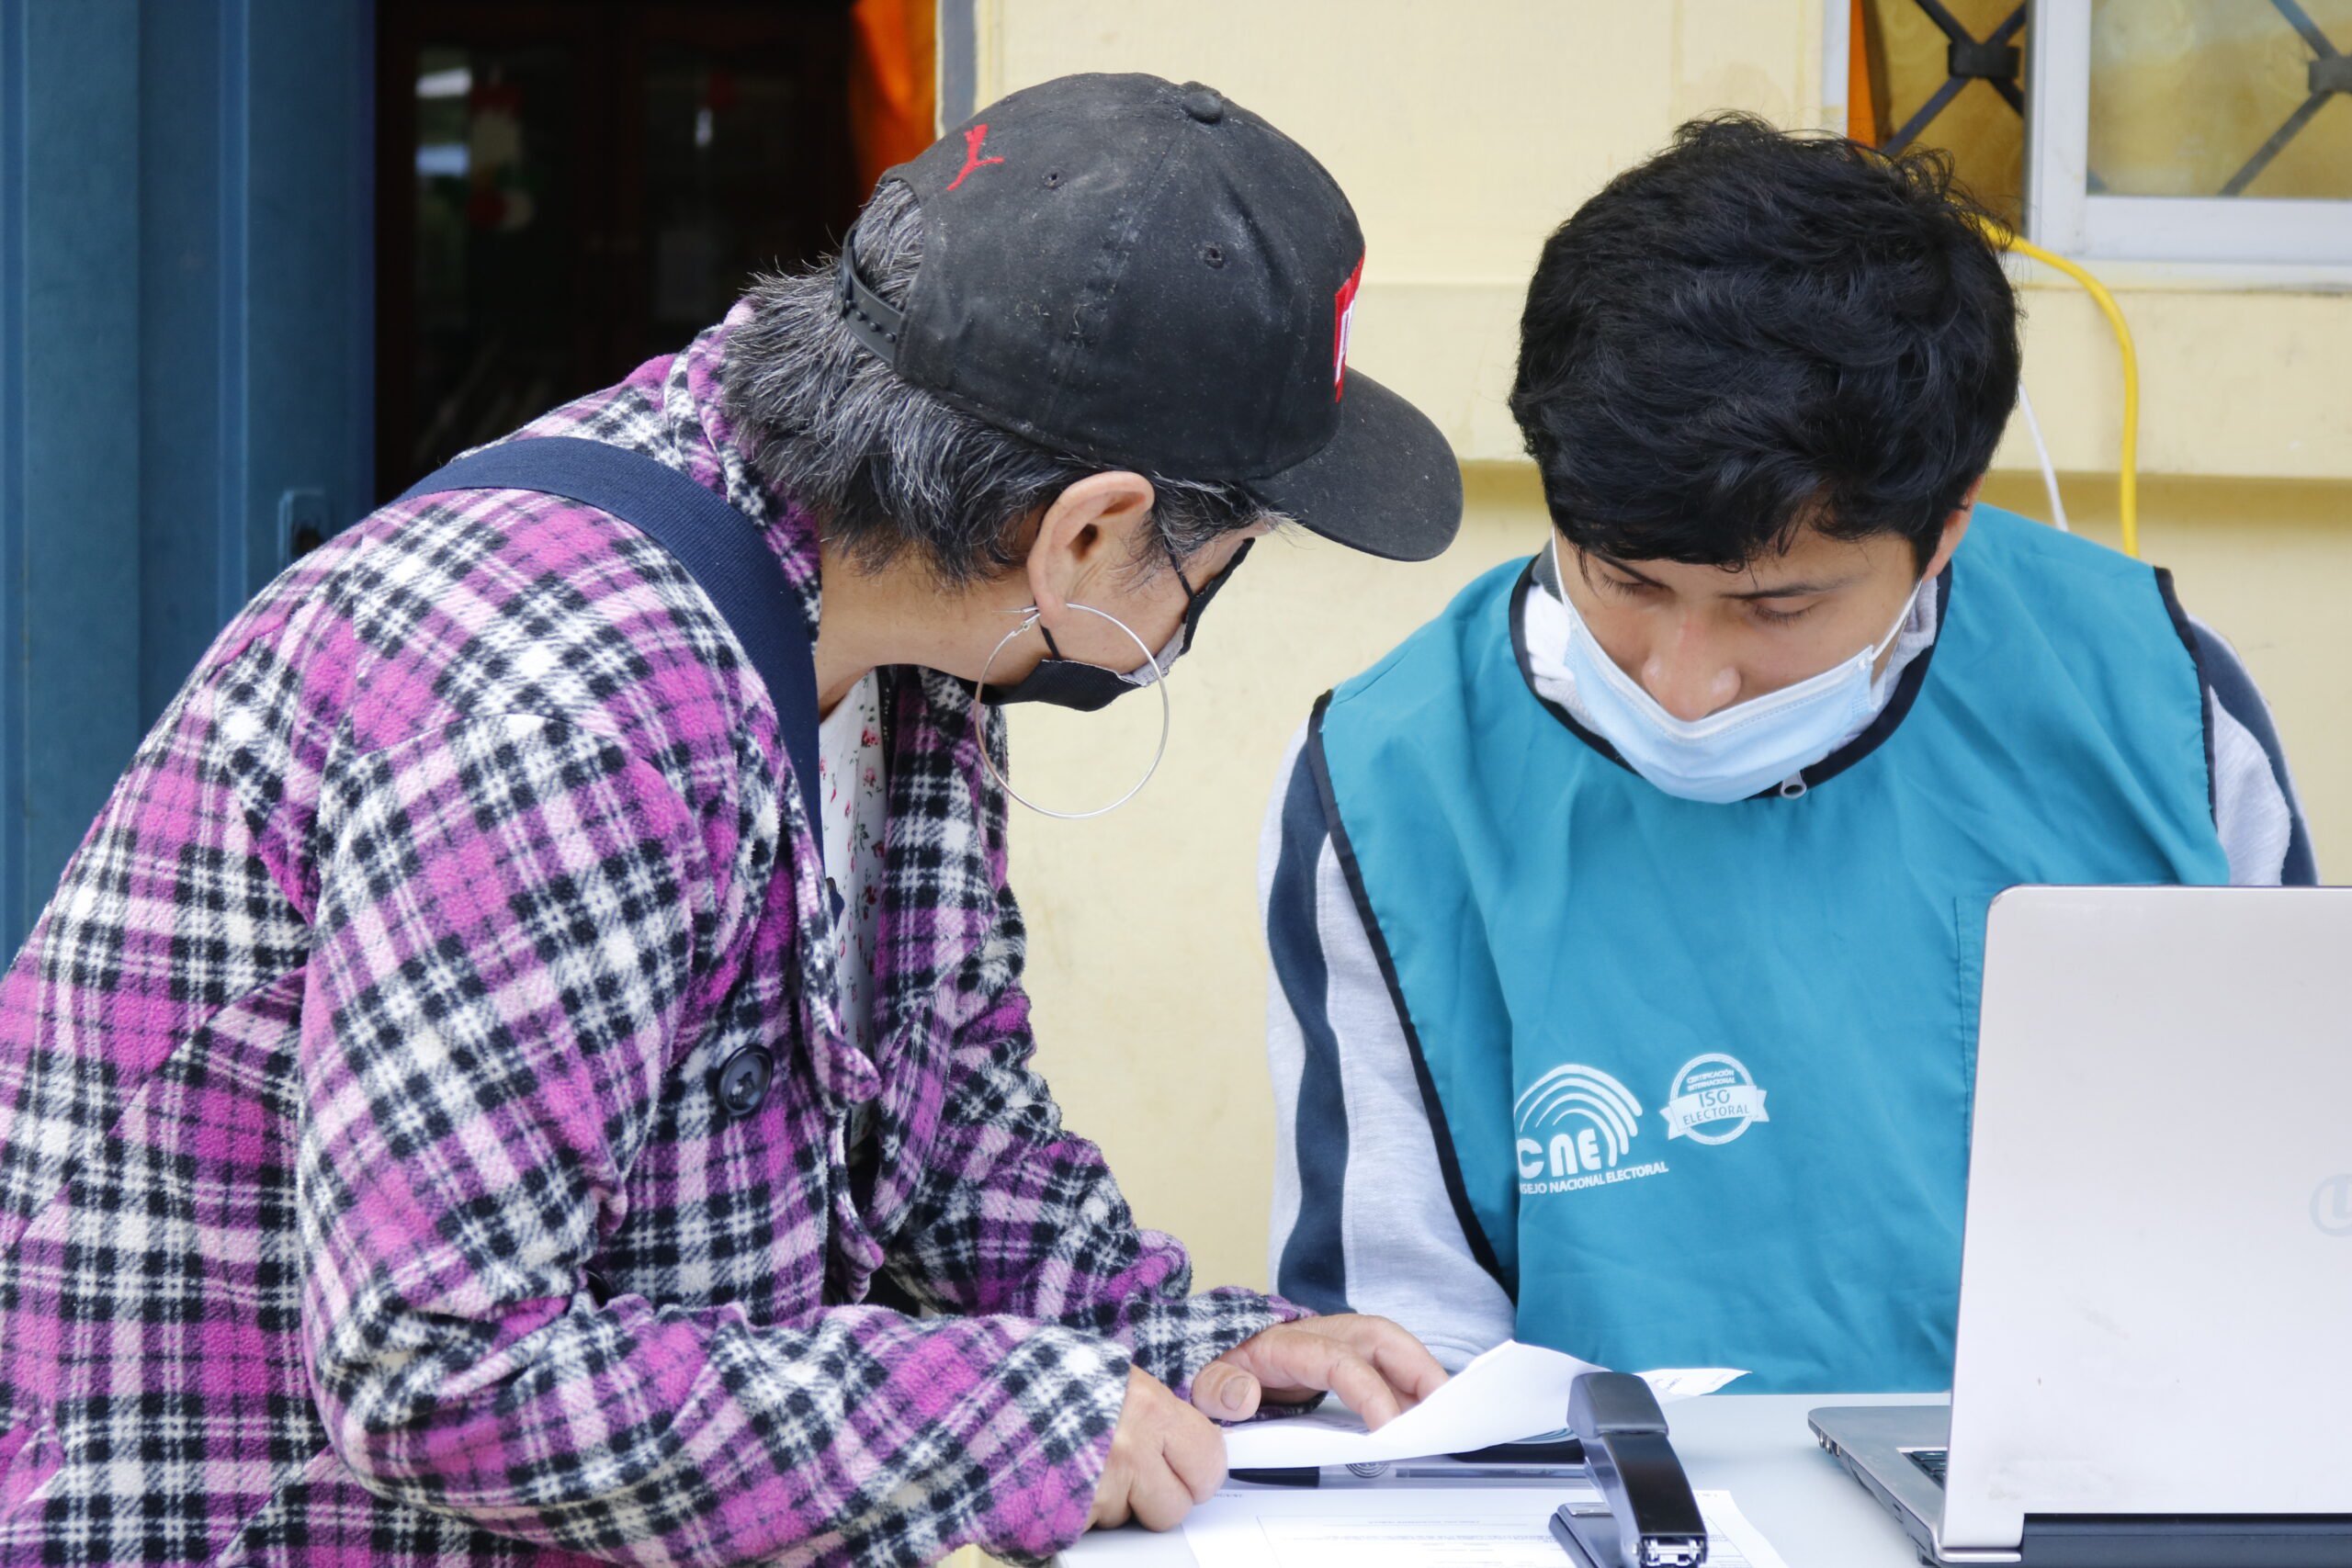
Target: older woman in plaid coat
x,y
366,1192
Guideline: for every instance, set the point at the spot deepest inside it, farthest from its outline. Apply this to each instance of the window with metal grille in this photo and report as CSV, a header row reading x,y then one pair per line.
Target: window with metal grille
x,y
2178,130
2213,131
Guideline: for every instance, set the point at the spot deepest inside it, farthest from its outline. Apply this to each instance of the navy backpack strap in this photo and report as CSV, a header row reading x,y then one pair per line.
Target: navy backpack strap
x,y
722,549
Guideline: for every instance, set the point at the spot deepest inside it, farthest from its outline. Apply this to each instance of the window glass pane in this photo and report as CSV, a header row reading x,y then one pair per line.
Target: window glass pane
x,y
730,187
2214,97
1910,57
497,321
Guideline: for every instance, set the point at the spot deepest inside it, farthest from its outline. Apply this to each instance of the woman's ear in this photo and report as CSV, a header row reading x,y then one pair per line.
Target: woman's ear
x,y
1089,531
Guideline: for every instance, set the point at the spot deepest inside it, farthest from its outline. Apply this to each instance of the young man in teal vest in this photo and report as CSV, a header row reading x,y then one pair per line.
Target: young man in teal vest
x,y
1626,920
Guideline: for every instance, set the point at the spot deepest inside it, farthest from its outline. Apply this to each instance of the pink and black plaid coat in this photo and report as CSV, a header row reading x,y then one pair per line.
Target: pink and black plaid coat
x,y
365,1196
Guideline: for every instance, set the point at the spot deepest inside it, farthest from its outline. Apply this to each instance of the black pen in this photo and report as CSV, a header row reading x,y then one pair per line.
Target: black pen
x,y
1543,1460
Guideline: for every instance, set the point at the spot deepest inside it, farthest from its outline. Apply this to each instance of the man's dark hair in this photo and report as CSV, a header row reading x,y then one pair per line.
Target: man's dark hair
x,y
1755,332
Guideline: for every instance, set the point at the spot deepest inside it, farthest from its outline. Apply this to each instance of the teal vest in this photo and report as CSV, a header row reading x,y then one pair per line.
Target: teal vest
x,y
1699,1075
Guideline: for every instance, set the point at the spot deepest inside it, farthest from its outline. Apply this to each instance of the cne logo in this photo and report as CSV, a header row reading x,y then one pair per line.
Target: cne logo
x,y
1576,1125
1342,319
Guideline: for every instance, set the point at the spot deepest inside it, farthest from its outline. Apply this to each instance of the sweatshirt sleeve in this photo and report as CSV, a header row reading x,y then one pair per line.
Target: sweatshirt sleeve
x,y
2256,809
1361,1221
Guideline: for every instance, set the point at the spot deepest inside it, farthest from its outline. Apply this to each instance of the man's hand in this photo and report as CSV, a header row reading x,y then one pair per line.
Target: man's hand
x,y
1377,1368
1165,1457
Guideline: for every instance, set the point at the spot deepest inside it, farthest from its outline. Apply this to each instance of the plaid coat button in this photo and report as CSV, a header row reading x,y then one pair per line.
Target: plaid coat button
x,y
743,1080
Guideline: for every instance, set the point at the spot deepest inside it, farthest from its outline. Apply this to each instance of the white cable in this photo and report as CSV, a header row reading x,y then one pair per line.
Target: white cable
x,y
2041,451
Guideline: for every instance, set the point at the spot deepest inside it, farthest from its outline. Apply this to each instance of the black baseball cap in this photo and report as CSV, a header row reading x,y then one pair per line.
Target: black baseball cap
x,y
1150,276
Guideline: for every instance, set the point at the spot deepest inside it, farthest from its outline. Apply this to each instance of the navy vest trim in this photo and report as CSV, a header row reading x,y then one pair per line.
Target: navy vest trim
x,y
1519,591
1313,1269
2186,632
1898,703
1457,1191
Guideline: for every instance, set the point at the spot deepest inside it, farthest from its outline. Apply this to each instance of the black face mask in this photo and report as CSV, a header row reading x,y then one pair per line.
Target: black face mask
x,y
1073,683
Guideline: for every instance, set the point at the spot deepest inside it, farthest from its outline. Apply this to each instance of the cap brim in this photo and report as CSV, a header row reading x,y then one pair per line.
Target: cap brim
x,y
1386,484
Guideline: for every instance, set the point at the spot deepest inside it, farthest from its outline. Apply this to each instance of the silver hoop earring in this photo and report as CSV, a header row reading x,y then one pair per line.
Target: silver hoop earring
x,y
979,718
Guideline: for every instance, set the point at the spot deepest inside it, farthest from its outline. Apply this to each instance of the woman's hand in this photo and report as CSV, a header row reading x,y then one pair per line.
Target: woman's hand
x,y
1165,1457
1375,1367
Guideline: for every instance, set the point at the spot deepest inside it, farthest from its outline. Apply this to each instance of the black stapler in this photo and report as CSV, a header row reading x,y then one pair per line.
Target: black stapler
x,y
1650,1520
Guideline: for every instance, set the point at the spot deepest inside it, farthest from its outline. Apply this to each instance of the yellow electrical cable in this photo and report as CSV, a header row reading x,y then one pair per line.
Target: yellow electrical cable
x,y
2128,480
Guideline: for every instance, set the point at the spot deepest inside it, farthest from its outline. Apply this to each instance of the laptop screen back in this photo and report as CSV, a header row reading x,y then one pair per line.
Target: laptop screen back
x,y
2156,1280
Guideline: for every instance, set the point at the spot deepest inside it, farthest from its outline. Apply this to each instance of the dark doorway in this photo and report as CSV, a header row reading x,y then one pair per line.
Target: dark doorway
x,y
565,190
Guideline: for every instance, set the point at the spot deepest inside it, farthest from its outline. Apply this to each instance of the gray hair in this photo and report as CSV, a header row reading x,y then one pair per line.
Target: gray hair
x,y
883,465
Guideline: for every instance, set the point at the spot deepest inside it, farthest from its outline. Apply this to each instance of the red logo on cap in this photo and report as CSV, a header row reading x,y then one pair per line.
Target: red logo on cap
x,y
972,159
1343,311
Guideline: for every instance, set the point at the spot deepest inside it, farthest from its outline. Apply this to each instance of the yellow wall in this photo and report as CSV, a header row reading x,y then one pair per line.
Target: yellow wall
x,y
1464,132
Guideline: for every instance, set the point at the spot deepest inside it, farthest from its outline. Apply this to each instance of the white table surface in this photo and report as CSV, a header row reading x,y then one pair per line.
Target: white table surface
x,y
1756,1447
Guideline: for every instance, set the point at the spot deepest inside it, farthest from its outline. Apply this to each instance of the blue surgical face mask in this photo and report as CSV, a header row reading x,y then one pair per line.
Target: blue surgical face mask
x,y
1734,753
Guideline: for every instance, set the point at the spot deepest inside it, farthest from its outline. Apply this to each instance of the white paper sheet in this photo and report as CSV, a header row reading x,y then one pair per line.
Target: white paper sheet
x,y
1422,1527
1732,1540
1513,1392
1378,1528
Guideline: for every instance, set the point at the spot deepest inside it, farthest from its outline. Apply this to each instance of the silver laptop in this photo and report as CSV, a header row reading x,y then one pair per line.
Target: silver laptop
x,y
2154,1357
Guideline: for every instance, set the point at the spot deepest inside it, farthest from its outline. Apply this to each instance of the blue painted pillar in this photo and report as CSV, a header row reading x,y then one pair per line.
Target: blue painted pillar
x,y
256,180
69,428
187,200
